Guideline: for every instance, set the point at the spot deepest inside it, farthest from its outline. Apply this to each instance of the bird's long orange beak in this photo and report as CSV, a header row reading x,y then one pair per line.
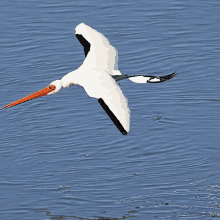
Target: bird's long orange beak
x,y
35,95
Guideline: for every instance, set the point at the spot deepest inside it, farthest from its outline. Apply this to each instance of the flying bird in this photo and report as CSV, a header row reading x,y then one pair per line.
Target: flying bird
x,y
98,75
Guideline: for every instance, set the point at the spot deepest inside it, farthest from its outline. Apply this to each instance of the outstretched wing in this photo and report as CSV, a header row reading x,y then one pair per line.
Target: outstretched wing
x,y
110,97
99,53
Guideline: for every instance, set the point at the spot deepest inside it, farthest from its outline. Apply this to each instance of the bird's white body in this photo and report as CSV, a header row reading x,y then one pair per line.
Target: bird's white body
x,y
94,75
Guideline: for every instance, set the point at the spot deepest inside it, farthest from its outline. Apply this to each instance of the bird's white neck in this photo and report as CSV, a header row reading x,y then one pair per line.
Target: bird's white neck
x,y
70,79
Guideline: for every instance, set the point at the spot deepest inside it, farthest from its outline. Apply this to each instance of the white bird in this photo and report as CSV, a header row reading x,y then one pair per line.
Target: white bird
x,y
98,76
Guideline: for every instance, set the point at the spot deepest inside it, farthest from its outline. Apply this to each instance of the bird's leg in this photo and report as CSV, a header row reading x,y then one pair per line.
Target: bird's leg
x,y
119,77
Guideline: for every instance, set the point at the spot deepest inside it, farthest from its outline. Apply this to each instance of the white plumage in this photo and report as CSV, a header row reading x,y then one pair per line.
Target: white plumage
x,y
98,75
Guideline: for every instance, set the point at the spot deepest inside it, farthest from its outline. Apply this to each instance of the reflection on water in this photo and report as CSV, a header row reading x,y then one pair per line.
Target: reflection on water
x,y
172,203
130,214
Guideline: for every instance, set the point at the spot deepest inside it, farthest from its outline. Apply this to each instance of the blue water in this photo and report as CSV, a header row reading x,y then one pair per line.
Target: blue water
x,y
62,157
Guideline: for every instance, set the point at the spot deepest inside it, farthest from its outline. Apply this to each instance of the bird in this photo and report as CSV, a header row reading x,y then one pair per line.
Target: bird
x,y
99,76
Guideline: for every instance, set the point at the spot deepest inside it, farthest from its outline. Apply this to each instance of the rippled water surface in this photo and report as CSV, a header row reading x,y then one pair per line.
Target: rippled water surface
x,y
62,157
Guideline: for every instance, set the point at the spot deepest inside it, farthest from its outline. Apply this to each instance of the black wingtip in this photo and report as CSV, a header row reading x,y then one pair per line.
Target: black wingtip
x,y
84,43
124,132
112,117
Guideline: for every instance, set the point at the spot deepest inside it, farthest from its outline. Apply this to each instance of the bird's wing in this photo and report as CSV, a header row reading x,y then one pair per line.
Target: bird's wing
x,y
110,97
99,53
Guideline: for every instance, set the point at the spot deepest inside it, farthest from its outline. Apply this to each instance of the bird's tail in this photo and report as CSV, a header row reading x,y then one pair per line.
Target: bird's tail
x,y
151,79
145,78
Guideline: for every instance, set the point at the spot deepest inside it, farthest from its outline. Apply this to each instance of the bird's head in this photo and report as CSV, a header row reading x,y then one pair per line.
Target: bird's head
x,y
58,87
51,89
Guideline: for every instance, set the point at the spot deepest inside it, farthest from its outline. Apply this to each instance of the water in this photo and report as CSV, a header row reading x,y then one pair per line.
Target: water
x,y
62,157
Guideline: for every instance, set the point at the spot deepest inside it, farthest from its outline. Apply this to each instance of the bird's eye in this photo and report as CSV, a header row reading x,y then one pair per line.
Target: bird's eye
x,y
49,87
